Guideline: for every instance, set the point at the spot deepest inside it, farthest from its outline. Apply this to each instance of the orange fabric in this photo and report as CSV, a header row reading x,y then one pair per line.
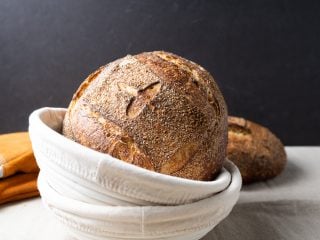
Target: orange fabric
x,y
18,187
18,168
16,154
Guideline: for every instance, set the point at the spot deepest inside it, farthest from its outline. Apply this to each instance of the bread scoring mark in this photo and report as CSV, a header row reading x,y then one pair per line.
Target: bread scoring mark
x,y
126,88
194,71
179,159
174,60
85,84
214,103
142,98
210,96
185,65
238,126
127,150
122,150
116,141
195,82
239,129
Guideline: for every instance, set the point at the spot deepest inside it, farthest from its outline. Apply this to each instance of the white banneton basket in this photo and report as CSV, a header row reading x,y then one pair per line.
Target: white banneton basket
x,y
100,197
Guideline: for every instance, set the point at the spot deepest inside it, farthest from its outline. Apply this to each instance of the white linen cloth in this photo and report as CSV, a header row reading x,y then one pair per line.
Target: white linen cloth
x,y
124,183
100,197
284,208
188,221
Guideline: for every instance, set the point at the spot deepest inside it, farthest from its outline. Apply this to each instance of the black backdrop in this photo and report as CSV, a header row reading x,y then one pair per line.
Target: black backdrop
x,y
265,55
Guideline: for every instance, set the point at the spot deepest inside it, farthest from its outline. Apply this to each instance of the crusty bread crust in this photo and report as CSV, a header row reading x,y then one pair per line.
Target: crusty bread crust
x,y
155,110
256,151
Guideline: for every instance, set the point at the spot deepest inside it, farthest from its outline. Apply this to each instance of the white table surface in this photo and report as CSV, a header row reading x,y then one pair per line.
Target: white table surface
x,y
287,207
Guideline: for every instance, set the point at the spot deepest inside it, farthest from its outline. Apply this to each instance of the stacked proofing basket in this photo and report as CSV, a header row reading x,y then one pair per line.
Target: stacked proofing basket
x,y
99,197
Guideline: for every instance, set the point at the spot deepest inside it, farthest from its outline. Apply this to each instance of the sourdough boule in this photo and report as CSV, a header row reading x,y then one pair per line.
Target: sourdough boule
x,y
155,110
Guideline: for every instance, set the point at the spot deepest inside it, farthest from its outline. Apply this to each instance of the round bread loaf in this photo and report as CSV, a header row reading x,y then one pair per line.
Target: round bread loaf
x,y
256,151
155,110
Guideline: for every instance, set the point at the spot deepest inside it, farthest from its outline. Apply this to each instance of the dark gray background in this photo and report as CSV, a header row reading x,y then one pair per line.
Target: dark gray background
x,y
263,54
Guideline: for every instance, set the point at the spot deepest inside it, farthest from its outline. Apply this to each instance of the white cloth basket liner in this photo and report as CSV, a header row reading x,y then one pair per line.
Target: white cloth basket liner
x,y
104,174
99,197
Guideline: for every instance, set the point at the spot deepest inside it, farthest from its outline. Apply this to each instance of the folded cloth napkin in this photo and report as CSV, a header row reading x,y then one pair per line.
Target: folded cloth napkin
x,y
18,168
